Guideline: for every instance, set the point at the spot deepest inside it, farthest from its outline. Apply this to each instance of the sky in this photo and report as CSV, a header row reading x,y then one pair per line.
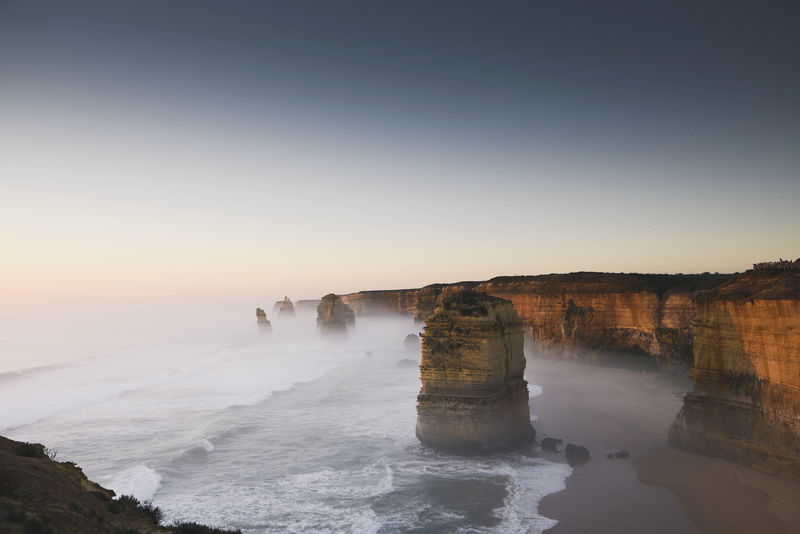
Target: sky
x,y
239,149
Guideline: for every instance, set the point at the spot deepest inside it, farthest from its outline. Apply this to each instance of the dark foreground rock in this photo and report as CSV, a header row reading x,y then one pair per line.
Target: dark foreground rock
x,y
473,398
550,444
40,495
576,454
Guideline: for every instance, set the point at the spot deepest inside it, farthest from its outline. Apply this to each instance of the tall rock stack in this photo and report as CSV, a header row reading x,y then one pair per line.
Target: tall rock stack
x,y
474,397
333,315
286,308
261,318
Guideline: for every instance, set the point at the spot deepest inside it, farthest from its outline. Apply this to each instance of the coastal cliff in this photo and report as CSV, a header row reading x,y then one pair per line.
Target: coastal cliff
x,y
745,405
651,314
474,397
41,495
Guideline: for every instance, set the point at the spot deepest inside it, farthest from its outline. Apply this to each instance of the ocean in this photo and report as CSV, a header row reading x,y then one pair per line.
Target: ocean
x,y
193,408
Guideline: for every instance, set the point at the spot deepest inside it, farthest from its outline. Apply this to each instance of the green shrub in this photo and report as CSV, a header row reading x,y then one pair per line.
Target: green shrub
x,y
31,450
195,528
153,512
34,526
15,515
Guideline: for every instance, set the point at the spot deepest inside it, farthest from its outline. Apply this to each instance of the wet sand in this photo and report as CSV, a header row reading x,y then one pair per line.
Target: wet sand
x,y
659,490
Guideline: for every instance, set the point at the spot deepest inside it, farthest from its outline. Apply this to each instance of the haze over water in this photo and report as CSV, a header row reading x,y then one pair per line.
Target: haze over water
x,y
284,432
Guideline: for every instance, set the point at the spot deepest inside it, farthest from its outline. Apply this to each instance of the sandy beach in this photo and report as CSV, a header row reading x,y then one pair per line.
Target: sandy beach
x,y
659,489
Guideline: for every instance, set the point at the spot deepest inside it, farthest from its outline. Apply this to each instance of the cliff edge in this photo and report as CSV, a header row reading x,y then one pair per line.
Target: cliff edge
x,y
41,495
745,405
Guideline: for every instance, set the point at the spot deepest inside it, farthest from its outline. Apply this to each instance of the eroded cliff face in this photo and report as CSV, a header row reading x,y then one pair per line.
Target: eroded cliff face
x,y
745,405
651,314
474,397
741,332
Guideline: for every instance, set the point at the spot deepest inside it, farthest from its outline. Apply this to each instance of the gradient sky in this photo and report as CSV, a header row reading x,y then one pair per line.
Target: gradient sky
x,y
189,148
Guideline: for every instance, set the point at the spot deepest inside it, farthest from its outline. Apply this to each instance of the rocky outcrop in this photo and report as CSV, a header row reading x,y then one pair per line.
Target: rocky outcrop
x,y
745,405
576,454
740,332
261,319
333,315
473,396
650,314
285,308
39,494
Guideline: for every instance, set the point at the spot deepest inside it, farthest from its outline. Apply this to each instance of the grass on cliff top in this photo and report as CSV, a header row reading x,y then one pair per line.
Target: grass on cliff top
x,y
627,282
754,286
607,282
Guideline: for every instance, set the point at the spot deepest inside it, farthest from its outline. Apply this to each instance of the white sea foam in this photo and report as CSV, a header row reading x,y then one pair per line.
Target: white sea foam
x,y
526,486
140,481
280,433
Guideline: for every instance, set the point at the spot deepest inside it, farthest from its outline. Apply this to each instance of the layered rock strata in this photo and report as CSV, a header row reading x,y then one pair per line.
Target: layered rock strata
x,y
649,314
261,320
333,315
745,405
474,397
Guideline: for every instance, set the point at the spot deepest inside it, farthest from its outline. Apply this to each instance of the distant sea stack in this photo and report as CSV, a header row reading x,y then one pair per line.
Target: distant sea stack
x,y
411,342
333,315
474,398
745,405
261,318
285,308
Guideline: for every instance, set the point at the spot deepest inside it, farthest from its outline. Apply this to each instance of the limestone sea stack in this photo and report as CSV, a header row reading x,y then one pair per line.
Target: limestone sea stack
x,y
333,315
263,323
286,308
474,398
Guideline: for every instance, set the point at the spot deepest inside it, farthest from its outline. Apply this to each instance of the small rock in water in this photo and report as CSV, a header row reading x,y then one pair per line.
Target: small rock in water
x,y
411,342
622,454
406,362
550,444
576,454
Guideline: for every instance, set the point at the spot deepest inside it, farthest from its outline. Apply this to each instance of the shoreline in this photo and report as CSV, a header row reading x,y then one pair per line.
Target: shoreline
x,y
659,489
